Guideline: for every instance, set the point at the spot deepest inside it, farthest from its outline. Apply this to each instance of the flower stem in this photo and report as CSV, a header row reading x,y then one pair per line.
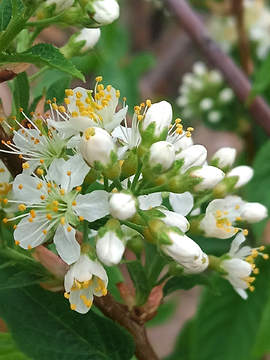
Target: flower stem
x,y
106,184
164,277
85,231
46,22
153,190
138,228
14,8
137,175
118,185
38,73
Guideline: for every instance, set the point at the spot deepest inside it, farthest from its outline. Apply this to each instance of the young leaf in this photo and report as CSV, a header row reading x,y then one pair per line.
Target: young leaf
x,y
44,327
187,282
57,90
8,349
44,55
139,279
5,14
21,93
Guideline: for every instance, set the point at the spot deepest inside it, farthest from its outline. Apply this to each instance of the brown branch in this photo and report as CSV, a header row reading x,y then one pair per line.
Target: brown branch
x,y
120,313
243,41
236,79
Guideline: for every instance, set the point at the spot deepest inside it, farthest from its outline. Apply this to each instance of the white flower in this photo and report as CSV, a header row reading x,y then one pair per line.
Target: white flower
x,y
226,95
106,11
210,176
186,252
110,248
225,157
85,110
254,212
244,174
61,5
220,216
215,76
161,153
181,203
182,101
128,137
83,280
194,155
178,138
90,36
214,116
173,219
188,78
206,104
159,114
55,205
5,185
239,264
36,145
199,68
122,206
96,146
149,201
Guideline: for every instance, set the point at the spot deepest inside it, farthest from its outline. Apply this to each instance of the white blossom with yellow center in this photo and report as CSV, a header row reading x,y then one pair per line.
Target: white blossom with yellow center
x,y
86,108
54,206
83,280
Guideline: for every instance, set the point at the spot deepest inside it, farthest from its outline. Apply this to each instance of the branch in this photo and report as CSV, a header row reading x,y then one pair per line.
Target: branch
x,y
120,313
236,79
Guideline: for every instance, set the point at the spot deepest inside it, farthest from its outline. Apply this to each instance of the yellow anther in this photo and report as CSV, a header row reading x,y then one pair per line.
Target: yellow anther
x,y
5,220
22,207
188,134
245,232
88,303
74,203
55,208
69,173
40,172
251,288
262,248
14,118
89,132
78,94
81,218
25,166
66,295
62,221
74,114
30,220
254,253
69,92
20,186
54,106
41,161
49,185
44,231
49,216
67,101
265,256
109,87
79,188
73,306
69,228
179,131
98,78
104,292
62,109
83,297
256,271
225,212
238,218
219,214
39,186
140,117
148,103
236,230
117,93
42,197
29,247
5,201
100,87
15,226
237,207
177,121
190,129
17,242
62,192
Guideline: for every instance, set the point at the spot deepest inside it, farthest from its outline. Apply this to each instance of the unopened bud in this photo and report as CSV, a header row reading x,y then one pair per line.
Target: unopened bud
x,y
223,158
244,174
122,206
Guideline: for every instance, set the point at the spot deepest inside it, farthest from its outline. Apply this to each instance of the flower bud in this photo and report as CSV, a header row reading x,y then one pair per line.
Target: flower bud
x,y
254,212
97,149
214,116
61,5
226,95
195,155
244,174
206,104
110,243
199,68
106,11
159,115
122,206
173,219
162,153
210,176
223,158
186,253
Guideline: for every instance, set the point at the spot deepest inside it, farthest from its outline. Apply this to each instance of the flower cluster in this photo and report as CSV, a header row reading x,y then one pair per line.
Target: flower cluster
x,y
84,171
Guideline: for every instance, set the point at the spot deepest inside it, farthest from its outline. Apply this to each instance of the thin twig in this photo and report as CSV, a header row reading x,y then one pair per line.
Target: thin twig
x,y
120,313
236,79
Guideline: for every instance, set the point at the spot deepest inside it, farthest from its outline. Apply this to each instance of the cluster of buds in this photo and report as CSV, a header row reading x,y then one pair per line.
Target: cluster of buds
x,y
204,95
133,185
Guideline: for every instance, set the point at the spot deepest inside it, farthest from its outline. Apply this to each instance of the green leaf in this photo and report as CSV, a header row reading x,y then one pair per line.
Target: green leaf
x,y
183,344
225,327
8,349
21,94
5,14
57,90
187,282
261,79
114,276
44,327
255,190
139,279
44,55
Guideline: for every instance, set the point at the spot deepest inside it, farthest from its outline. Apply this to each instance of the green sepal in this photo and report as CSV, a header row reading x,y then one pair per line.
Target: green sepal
x,y
225,186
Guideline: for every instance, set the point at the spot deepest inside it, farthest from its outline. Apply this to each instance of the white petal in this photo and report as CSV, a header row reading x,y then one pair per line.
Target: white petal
x,y
92,206
75,299
78,168
117,118
29,192
151,200
242,293
237,241
64,127
55,171
181,203
66,244
31,233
